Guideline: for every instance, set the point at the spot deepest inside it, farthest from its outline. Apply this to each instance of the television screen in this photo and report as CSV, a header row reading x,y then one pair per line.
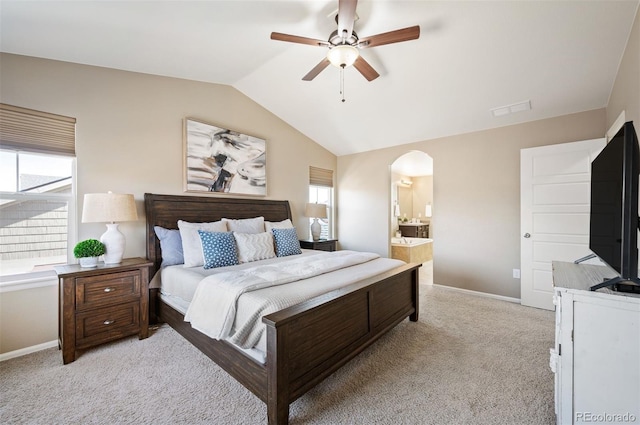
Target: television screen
x,y
613,233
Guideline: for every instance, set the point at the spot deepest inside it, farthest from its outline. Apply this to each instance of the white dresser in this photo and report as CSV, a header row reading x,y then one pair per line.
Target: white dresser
x,y
596,358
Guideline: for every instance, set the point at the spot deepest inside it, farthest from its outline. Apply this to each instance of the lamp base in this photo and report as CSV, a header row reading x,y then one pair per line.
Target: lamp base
x,y
114,244
315,230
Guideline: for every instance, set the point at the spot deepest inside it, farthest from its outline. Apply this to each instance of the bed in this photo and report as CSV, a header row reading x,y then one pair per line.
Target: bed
x,y
304,343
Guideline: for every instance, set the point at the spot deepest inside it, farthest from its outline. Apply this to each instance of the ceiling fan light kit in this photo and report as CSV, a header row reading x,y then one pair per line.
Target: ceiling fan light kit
x,y
344,44
343,55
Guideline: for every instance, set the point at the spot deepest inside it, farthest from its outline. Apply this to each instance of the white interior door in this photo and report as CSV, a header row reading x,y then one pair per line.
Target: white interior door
x,y
554,213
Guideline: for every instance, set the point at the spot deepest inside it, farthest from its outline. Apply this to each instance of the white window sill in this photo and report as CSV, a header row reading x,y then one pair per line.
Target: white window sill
x,y
28,281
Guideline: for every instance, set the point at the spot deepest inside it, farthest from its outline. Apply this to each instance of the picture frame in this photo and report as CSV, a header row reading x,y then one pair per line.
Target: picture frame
x,y
224,161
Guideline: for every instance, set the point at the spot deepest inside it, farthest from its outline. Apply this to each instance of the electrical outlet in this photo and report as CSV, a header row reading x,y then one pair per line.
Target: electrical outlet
x,y
516,273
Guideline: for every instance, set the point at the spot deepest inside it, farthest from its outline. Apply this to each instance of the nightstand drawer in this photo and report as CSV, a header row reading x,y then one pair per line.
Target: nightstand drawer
x,y
116,288
105,324
325,247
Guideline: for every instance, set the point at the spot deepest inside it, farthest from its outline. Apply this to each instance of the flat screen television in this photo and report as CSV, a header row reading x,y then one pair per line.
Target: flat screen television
x,y
614,224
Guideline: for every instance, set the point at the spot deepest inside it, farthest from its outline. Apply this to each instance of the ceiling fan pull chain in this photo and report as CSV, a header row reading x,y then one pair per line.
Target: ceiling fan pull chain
x,y
342,82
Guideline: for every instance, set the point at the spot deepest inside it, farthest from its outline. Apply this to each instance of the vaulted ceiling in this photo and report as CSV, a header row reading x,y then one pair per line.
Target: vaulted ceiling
x,y
471,57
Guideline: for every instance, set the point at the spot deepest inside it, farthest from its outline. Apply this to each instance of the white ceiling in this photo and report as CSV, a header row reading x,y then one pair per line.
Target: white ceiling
x,y
471,56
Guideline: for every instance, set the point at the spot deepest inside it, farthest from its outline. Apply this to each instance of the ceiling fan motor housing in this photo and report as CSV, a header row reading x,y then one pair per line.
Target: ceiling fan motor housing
x,y
335,39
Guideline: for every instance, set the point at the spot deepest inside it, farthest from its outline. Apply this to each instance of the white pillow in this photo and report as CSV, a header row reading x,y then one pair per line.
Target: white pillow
x,y
245,225
284,224
191,243
254,246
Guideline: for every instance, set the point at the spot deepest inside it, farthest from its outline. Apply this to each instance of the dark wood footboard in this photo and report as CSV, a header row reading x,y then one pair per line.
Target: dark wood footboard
x,y
309,341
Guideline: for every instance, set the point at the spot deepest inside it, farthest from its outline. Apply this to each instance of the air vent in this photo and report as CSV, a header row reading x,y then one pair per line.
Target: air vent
x,y
510,109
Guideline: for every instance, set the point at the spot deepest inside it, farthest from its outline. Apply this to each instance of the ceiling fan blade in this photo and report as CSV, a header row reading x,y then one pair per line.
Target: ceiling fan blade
x,y
297,39
316,70
365,69
405,34
346,17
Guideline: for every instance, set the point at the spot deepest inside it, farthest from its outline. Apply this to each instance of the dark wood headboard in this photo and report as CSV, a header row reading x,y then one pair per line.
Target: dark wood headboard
x,y
166,210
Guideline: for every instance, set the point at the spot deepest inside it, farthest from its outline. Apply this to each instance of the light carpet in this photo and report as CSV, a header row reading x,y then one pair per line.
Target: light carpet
x,y
469,360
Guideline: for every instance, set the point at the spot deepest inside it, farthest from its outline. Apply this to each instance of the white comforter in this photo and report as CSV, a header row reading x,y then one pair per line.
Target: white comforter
x,y
212,310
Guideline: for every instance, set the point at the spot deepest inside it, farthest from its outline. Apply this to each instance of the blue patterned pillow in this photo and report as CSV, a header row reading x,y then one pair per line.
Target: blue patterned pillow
x,y
218,249
286,242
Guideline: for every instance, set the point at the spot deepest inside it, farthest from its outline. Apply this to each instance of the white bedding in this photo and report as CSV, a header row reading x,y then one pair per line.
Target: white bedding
x,y
178,286
213,307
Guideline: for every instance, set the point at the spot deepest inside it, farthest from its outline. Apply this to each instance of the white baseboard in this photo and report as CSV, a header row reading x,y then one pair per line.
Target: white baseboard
x,y
480,294
28,350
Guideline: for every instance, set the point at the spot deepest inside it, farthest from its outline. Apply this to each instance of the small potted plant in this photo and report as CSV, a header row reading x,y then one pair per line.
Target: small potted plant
x,y
88,252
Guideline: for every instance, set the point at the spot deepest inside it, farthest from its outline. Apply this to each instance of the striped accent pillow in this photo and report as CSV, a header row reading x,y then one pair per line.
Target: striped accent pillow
x,y
254,246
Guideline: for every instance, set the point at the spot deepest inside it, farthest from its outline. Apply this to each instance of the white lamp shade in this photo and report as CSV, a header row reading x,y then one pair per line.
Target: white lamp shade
x,y
108,208
343,55
315,210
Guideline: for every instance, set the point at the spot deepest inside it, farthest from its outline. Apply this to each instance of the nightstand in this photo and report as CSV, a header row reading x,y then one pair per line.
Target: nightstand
x,y
321,245
101,304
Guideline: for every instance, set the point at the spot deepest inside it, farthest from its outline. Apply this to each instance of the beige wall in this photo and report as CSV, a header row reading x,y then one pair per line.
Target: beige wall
x,y
476,204
625,95
129,139
28,317
422,190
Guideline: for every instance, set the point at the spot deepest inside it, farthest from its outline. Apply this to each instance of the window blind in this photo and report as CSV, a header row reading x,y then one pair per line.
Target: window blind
x,y
35,131
320,177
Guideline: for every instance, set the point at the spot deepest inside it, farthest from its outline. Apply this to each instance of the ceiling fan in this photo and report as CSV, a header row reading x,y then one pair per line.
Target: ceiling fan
x,y
344,44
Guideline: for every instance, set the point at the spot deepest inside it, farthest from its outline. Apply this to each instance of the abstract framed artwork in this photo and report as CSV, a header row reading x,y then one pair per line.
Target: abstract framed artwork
x,y
219,160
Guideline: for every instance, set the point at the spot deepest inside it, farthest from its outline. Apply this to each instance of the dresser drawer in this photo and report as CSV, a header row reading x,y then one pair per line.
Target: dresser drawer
x,y
105,324
115,288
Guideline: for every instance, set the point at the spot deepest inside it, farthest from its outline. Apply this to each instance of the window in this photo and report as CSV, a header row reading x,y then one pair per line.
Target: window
x,y
37,201
321,192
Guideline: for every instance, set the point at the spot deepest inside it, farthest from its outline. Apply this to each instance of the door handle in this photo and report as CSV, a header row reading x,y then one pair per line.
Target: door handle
x,y
527,235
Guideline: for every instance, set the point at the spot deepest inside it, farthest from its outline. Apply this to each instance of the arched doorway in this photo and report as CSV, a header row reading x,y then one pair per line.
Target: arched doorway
x,y
411,218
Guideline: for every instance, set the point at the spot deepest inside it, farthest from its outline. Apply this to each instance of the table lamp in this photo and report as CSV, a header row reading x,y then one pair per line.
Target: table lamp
x,y
315,211
109,208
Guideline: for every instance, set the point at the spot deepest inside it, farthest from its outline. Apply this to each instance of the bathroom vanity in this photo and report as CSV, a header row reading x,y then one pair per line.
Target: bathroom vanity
x,y
414,230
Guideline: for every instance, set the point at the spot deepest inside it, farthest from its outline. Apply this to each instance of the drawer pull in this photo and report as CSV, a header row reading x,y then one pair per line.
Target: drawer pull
x,y
108,322
109,289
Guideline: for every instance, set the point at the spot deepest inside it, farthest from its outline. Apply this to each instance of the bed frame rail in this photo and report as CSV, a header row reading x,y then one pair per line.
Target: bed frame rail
x,y
251,374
